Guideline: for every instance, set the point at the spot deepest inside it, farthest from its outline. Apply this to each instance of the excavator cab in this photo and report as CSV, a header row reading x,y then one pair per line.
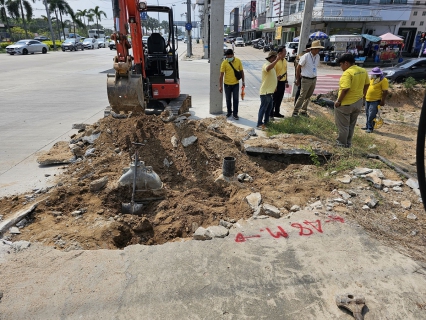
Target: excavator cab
x,y
148,80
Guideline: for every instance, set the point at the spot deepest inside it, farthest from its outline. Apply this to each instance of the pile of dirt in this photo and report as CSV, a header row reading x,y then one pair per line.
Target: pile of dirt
x,y
75,215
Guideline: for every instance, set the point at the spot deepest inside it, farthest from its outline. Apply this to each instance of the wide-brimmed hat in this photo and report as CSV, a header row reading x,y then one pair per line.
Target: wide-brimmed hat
x,y
271,54
376,70
316,45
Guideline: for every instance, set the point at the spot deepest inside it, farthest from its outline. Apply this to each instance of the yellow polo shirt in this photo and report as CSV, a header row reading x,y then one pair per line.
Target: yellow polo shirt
x,y
354,78
269,80
281,68
225,67
375,91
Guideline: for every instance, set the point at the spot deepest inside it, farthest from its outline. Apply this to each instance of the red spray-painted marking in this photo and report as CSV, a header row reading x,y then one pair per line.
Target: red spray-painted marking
x,y
280,233
314,224
335,219
302,229
240,238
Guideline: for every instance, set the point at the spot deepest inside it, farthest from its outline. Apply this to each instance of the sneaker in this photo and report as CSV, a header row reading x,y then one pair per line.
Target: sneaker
x,y
236,117
305,115
261,127
295,115
228,115
365,128
271,118
368,131
279,115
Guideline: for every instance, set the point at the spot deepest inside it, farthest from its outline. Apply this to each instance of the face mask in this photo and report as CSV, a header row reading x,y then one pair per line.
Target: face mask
x,y
230,59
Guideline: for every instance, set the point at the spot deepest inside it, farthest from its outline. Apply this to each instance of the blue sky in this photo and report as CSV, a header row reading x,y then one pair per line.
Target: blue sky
x,y
106,6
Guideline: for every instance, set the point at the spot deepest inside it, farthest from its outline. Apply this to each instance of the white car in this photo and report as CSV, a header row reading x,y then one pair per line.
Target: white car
x,y
27,46
90,43
239,42
102,43
291,48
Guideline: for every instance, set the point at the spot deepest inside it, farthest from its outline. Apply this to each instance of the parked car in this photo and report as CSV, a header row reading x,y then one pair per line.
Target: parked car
x,y
111,45
41,38
26,46
230,39
180,38
101,43
291,48
71,45
90,43
185,40
239,42
258,43
415,68
75,36
145,40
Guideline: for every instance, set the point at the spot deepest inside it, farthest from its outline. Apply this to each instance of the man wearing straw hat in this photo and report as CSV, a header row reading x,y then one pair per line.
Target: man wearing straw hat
x,y
375,97
306,77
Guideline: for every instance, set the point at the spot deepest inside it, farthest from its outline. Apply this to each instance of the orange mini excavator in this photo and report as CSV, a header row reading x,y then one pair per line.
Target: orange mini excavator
x,y
146,78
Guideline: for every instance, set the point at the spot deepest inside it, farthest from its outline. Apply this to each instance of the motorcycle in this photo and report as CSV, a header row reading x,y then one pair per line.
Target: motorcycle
x,y
269,47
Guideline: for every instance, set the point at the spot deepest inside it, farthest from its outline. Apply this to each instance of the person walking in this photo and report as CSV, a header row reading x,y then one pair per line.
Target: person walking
x,y
306,77
281,71
375,97
228,80
353,86
267,88
296,63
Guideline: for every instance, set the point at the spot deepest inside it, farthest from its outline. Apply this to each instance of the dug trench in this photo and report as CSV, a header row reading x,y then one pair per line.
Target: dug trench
x,y
73,215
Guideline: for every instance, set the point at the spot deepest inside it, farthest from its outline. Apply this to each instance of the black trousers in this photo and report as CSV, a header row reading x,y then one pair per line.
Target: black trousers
x,y
278,98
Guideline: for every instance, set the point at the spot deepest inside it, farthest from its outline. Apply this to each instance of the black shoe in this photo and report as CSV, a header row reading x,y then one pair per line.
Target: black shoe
x,y
279,115
304,115
295,115
365,128
236,117
228,115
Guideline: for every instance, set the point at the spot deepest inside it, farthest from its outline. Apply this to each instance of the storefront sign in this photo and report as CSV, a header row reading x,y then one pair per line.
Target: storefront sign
x,y
278,31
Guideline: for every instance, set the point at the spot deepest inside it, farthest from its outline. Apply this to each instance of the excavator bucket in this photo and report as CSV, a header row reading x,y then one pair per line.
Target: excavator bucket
x,y
125,93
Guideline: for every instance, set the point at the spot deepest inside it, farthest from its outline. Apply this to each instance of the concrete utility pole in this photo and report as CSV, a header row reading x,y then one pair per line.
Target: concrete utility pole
x,y
305,30
188,32
206,29
52,35
217,11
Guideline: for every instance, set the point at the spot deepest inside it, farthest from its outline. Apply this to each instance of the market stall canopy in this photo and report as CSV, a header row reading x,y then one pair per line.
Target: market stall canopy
x,y
389,38
371,38
346,38
319,35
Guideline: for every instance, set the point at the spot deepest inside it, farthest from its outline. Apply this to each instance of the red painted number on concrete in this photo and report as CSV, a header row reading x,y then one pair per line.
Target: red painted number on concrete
x,y
240,238
280,233
303,231
335,219
314,224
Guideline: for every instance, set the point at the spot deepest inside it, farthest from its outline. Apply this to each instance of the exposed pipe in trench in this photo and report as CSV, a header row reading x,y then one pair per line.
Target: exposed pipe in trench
x,y
391,165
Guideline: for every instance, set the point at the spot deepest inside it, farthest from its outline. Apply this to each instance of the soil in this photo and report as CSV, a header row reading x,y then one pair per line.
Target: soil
x,y
194,194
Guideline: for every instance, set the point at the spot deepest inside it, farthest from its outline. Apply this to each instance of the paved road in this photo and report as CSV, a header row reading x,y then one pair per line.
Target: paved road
x,y
255,273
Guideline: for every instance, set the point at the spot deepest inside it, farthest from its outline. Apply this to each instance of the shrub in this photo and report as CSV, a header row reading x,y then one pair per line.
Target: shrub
x,y
409,83
50,44
3,45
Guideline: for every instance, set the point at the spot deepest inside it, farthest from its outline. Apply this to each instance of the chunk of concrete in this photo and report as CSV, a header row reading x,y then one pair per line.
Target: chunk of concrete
x,y
345,179
271,211
188,141
202,234
361,171
218,231
98,184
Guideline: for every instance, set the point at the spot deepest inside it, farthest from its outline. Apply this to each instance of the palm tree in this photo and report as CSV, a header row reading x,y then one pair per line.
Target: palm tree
x,y
3,15
62,7
98,13
82,14
16,10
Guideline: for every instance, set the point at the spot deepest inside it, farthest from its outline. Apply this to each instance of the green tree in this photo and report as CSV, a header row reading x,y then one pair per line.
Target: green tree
x,y
97,14
16,10
61,7
3,15
152,24
165,25
82,14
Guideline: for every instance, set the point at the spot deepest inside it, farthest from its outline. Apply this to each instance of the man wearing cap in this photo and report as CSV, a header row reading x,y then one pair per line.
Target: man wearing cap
x,y
281,71
375,97
267,88
353,85
232,84
306,77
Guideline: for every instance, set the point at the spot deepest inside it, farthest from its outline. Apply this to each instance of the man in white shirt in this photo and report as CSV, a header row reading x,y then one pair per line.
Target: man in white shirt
x,y
306,77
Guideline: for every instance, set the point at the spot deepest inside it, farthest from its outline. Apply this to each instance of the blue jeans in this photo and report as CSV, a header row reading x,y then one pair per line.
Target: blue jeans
x,y
371,109
266,105
231,92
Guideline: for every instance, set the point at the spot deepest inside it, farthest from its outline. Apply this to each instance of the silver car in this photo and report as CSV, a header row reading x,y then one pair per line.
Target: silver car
x,y
90,43
101,43
27,46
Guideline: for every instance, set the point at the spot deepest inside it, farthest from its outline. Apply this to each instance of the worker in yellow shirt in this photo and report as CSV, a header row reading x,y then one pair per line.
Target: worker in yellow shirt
x,y
353,86
281,71
376,95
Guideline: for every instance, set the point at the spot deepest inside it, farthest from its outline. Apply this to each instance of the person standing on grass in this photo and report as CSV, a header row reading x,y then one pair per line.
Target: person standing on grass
x,y
267,88
232,84
306,77
353,86
281,71
375,97
296,63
